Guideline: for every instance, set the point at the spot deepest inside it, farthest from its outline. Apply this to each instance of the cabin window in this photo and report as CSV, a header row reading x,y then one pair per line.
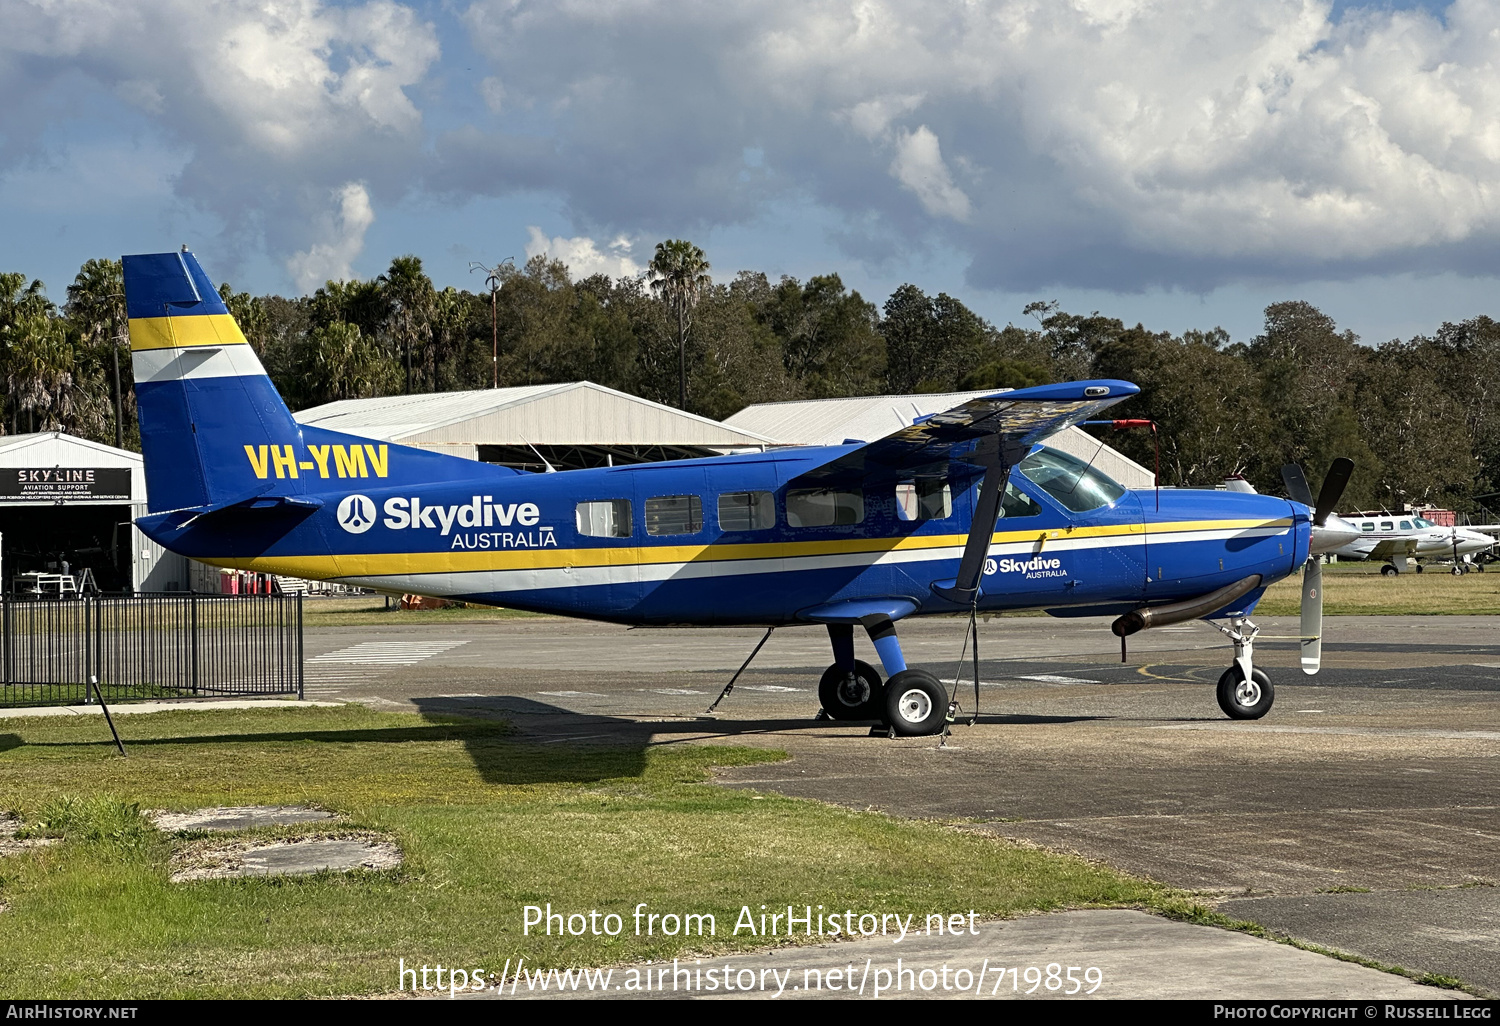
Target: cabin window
x,y
747,511
1075,484
823,507
1406,525
1017,504
926,498
604,518
1386,525
1367,526
674,514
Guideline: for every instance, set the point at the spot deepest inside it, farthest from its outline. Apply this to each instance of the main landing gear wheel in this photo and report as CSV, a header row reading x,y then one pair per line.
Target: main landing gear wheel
x,y
1243,699
916,703
1390,571
852,694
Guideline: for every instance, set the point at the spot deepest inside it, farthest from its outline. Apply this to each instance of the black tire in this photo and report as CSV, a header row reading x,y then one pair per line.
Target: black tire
x,y
852,695
1457,570
1389,570
916,703
1419,568
1249,703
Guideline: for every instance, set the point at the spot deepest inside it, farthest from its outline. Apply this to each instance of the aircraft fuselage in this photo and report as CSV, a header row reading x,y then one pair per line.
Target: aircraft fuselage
x,y
715,541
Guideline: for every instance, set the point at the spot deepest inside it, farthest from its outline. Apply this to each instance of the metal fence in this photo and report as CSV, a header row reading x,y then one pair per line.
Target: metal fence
x,y
172,645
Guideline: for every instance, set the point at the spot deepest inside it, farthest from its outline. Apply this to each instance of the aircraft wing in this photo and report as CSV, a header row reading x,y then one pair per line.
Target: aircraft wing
x,y
1388,548
991,430
991,434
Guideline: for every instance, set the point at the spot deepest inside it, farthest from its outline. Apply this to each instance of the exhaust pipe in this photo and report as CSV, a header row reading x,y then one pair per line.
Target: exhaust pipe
x,y
1178,612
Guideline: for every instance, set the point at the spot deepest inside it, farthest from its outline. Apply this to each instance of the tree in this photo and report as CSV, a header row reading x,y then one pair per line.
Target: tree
x,y
1307,371
410,295
934,344
96,307
338,362
681,276
830,337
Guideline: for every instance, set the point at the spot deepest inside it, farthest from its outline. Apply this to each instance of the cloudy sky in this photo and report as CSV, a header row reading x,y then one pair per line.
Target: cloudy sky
x,y
1179,162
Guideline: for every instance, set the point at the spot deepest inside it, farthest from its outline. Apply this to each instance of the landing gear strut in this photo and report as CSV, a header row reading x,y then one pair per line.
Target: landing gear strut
x,y
1244,692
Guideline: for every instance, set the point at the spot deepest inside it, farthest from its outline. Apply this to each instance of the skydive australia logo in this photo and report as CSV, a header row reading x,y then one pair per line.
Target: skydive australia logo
x,y
480,511
1032,568
356,514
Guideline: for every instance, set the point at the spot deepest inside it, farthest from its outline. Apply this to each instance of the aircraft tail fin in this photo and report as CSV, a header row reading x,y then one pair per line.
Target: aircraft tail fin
x,y
204,400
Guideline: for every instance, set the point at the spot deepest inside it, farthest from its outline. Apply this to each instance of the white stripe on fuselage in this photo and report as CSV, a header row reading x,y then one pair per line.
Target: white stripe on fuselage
x,y
483,582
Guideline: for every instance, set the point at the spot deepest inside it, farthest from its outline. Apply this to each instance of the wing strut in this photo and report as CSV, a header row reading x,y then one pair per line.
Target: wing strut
x,y
997,461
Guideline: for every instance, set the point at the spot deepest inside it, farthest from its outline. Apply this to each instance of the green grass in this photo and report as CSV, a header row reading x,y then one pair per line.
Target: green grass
x,y
1360,589
368,610
488,824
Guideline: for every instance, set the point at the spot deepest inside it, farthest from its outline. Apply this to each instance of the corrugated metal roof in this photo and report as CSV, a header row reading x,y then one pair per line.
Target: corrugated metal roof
x,y
571,413
832,421
44,448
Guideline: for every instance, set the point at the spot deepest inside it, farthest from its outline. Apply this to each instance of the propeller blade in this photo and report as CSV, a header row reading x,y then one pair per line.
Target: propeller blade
x,y
1312,616
1296,484
1334,483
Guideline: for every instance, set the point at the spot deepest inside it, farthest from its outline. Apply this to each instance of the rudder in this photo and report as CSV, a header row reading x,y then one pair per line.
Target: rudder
x,y
203,397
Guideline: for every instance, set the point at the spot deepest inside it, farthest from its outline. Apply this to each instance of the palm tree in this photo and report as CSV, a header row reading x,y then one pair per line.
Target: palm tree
x,y
410,294
681,276
96,306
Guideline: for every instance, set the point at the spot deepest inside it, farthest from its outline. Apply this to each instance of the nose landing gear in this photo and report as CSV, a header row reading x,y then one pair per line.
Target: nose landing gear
x,y
1244,692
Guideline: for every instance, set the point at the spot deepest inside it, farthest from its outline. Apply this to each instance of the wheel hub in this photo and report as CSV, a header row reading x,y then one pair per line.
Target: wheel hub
x,y
915,706
1247,693
854,690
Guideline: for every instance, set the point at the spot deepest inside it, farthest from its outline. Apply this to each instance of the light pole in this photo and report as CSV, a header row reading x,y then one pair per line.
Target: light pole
x,y
492,279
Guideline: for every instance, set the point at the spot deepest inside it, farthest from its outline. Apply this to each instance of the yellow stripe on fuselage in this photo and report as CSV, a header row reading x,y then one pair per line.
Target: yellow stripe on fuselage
x,y
180,332
466,561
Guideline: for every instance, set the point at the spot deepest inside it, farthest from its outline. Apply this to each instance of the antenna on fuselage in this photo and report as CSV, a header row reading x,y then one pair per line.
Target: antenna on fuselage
x,y
550,468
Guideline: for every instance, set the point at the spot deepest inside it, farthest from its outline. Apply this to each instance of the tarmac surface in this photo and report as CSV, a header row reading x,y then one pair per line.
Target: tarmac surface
x,y
1361,815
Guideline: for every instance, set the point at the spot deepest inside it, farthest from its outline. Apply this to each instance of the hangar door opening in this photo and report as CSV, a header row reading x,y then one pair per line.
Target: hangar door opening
x,y
66,539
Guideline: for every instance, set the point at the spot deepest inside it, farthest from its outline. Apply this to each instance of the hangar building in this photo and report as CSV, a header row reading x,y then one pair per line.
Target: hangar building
x,y
66,500
569,426
833,421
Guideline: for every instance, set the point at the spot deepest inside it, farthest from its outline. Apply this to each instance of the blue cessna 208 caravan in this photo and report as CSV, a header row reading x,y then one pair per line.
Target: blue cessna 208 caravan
x,y
960,512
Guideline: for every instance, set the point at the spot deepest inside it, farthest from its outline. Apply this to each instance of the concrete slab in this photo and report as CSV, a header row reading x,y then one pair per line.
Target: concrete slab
x,y
284,858
176,705
1136,955
1453,932
240,817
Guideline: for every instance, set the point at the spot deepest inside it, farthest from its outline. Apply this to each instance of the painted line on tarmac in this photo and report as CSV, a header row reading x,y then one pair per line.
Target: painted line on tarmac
x,y
388,653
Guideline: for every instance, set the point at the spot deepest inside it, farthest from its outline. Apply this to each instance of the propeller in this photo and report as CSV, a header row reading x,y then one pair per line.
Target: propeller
x,y
1328,533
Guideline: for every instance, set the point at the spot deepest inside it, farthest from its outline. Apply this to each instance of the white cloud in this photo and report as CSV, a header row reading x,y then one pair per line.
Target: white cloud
x,y
276,103
343,237
919,166
1099,141
582,254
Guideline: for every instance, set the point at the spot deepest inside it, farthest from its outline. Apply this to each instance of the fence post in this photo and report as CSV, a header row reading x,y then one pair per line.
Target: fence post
x,y
300,695
88,649
9,653
193,635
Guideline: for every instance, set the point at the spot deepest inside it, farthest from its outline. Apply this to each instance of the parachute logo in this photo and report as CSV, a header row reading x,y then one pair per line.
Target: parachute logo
x,y
356,514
